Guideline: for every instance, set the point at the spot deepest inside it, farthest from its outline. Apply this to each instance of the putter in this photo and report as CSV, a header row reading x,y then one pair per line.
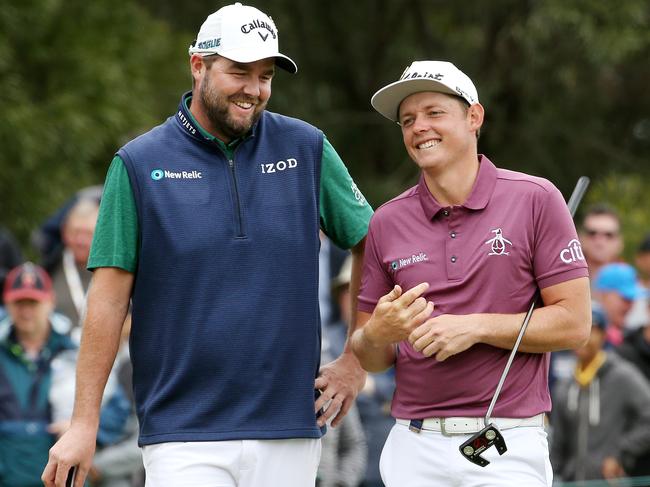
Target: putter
x,y
490,434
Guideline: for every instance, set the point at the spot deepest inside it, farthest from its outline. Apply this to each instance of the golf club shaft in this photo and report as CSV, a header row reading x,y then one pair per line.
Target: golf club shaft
x,y
574,201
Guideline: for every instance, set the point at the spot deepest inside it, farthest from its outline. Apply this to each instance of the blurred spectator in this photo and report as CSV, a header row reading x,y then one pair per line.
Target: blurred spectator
x,y
69,273
636,349
642,261
374,400
601,418
639,315
615,288
31,352
10,256
600,236
118,459
47,239
344,450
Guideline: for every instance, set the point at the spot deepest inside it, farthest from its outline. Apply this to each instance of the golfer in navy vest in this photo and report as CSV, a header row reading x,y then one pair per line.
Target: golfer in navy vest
x,y
210,224
451,266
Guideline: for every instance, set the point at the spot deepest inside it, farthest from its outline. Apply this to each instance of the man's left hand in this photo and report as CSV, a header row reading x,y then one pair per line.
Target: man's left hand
x,y
339,382
444,336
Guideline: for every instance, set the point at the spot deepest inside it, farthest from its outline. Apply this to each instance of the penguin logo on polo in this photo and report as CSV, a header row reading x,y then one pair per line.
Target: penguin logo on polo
x,y
498,243
158,174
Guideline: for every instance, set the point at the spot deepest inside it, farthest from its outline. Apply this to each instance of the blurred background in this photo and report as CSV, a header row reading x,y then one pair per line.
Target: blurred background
x,y
564,84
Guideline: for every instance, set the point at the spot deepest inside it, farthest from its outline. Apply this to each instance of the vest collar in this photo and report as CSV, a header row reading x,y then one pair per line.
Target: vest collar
x,y
191,126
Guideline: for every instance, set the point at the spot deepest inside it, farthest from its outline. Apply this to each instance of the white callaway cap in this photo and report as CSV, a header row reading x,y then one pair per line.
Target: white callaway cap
x,y
243,34
439,76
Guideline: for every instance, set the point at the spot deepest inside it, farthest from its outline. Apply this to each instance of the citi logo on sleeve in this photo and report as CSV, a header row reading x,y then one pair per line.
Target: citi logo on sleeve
x,y
572,252
158,174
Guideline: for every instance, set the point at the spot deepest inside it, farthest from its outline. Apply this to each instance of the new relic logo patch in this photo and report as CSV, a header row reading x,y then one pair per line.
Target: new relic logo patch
x,y
498,244
158,174
407,261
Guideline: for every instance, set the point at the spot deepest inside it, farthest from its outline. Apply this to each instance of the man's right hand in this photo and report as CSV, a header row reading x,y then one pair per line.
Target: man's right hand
x,y
397,314
75,448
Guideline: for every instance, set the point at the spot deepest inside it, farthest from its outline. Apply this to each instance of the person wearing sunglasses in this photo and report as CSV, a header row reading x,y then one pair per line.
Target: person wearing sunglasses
x,y
600,236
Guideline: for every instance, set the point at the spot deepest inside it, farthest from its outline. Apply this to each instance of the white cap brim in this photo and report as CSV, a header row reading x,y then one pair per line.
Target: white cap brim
x,y
246,56
388,99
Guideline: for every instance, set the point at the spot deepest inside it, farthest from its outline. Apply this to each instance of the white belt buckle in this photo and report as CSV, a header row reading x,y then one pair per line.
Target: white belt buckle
x,y
442,427
455,431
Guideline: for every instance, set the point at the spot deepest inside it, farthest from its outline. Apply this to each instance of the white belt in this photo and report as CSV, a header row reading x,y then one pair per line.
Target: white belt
x,y
464,426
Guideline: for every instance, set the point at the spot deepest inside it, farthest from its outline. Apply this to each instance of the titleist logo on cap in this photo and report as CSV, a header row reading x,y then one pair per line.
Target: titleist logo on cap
x,y
407,75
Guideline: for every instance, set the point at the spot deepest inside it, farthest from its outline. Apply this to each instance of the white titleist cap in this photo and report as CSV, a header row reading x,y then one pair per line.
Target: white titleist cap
x,y
242,34
439,76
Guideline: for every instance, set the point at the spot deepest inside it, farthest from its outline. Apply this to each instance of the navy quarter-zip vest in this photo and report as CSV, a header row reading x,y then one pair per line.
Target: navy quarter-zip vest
x,y
225,340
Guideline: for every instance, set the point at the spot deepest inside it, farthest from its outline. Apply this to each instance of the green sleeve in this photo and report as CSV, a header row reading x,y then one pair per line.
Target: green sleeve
x,y
344,212
115,241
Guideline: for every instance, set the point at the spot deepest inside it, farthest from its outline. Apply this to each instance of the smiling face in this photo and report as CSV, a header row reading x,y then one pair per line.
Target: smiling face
x,y
439,129
232,95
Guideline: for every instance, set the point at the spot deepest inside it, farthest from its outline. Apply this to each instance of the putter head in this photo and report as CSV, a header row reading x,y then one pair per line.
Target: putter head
x,y
481,441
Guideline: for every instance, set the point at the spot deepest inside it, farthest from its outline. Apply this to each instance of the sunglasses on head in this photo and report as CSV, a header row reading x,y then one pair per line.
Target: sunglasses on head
x,y
591,232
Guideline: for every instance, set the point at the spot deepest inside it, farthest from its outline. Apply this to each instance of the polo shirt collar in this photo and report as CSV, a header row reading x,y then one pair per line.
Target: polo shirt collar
x,y
479,197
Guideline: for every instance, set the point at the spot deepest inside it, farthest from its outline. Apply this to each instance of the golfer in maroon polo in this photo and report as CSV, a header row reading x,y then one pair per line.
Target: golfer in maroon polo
x,y
451,268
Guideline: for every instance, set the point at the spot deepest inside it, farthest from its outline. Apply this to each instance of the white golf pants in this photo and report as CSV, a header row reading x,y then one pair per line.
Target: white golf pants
x,y
238,463
429,458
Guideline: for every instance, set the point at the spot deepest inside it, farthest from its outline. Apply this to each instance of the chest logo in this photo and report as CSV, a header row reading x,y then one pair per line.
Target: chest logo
x,y
410,260
158,174
279,166
498,243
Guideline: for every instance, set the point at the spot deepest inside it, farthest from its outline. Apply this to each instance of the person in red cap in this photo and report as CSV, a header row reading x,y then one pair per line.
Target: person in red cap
x,y
28,348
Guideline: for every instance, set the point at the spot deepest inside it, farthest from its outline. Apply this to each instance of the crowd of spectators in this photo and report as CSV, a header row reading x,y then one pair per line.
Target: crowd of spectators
x,y
600,423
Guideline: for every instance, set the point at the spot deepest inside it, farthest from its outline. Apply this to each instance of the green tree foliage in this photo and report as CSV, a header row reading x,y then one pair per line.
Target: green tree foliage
x,y
564,84
77,79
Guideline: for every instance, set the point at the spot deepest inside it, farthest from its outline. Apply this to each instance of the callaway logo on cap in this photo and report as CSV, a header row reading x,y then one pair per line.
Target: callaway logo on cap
x,y
438,76
243,34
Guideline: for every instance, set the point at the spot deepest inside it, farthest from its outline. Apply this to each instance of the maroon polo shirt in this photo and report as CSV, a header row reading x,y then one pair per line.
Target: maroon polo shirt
x,y
513,236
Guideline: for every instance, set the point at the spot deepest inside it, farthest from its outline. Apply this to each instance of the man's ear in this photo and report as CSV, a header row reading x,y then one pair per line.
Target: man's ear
x,y
196,66
476,114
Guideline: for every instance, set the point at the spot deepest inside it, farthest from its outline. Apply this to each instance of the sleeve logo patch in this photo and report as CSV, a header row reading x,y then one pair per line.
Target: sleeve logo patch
x,y
572,253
